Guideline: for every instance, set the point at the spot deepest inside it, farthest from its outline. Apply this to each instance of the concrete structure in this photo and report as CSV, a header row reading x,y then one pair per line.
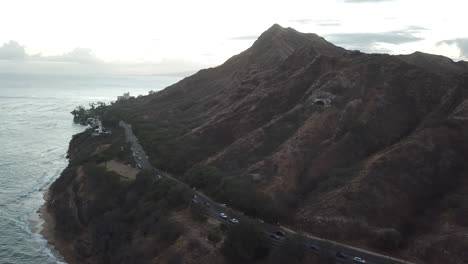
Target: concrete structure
x,y
92,121
321,99
323,102
124,97
99,129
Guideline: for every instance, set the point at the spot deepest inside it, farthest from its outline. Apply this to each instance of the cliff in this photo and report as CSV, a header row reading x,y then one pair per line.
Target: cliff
x,y
348,144
96,215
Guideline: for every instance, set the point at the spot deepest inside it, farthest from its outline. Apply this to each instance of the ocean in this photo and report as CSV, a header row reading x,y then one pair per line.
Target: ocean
x,y
35,129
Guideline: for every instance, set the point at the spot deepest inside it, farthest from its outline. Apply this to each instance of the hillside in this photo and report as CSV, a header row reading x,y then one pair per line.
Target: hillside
x,y
348,144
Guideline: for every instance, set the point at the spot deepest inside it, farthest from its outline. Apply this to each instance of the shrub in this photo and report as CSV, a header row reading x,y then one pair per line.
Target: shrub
x,y
214,237
203,176
462,215
244,242
169,230
175,258
197,213
242,195
387,239
178,196
291,251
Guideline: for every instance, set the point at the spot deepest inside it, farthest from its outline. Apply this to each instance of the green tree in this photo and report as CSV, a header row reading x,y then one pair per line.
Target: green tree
x,y
291,251
203,176
244,242
178,196
387,239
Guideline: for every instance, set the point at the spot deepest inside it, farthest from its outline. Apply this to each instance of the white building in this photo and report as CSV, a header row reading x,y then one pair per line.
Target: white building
x,y
123,97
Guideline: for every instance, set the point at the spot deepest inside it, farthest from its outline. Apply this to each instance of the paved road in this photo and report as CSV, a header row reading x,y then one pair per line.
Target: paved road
x,y
273,233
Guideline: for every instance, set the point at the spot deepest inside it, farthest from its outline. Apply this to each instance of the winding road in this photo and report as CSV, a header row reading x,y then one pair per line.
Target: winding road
x,y
343,253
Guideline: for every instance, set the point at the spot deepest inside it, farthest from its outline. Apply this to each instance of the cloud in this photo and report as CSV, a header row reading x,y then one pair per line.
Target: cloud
x,y
318,22
368,41
367,1
14,59
329,24
461,43
12,51
247,37
78,55
415,29
302,21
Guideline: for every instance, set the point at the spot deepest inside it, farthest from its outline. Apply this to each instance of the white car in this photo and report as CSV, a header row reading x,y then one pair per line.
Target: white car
x,y
139,165
223,215
234,221
359,260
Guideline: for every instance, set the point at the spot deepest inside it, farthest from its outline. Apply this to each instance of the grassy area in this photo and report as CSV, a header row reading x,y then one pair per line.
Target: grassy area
x,y
171,149
233,191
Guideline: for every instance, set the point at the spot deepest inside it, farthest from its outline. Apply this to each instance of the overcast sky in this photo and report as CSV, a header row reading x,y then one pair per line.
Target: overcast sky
x,y
158,37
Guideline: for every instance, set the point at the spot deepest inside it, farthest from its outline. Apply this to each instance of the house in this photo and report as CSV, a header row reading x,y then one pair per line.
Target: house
x,y
99,129
124,97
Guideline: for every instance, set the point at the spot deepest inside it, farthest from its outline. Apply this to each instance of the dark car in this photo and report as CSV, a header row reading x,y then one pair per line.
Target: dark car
x,y
341,255
280,233
314,247
275,237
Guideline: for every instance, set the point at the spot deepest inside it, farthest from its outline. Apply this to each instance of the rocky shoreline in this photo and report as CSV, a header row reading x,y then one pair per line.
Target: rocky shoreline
x,y
57,245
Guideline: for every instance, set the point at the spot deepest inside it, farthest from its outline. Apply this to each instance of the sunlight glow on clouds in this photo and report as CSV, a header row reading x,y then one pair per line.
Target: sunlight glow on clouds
x,y
145,37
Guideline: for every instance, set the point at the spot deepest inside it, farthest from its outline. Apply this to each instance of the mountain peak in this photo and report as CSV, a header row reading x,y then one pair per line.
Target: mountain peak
x,y
287,40
278,31
275,27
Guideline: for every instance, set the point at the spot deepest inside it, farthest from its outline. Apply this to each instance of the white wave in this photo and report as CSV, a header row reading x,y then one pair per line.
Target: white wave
x,y
34,228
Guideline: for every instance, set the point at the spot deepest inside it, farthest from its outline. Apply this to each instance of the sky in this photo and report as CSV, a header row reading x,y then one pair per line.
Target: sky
x,y
179,37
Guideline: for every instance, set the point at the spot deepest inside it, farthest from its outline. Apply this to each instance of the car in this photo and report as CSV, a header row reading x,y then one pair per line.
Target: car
x,y
260,221
158,177
194,201
359,260
234,221
275,237
195,196
223,205
139,165
280,233
207,204
223,215
341,255
314,247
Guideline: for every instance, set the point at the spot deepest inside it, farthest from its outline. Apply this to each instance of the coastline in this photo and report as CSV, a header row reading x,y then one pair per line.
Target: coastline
x,y
43,224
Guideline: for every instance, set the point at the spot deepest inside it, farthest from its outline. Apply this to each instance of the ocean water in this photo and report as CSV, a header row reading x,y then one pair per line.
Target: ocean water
x,y
35,129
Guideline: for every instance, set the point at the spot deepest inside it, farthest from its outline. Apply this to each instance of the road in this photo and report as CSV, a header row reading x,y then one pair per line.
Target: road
x,y
274,234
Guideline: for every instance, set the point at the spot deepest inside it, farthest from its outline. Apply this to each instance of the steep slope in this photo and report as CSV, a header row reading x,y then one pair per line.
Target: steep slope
x,y
435,63
338,137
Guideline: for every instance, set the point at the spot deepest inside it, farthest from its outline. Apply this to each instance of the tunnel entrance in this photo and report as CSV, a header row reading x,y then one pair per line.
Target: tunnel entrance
x,y
320,103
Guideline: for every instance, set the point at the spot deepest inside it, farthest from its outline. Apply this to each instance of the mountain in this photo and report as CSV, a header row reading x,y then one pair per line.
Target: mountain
x,y
349,145
435,63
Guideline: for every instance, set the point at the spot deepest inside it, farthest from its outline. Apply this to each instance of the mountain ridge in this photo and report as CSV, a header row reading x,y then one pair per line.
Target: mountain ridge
x,y
347,144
